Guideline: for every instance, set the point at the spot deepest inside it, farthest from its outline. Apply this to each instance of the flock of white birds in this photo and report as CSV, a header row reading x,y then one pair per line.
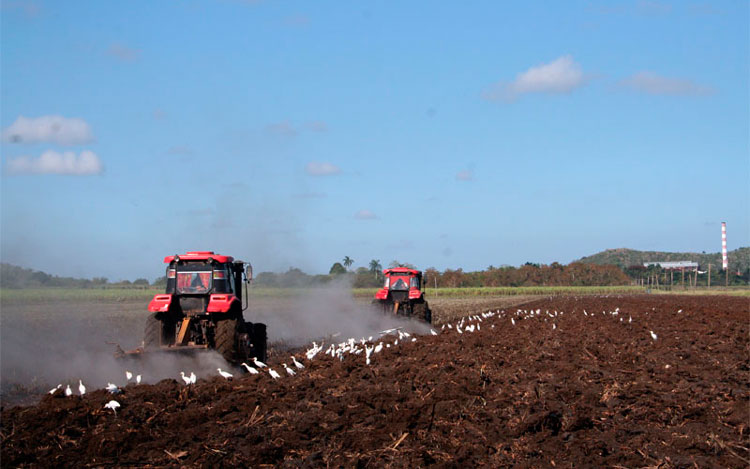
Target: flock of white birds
x,y
365,346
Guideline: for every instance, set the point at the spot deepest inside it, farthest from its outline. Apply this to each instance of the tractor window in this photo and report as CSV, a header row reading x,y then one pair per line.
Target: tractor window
x,y
193,282
414,282
399,283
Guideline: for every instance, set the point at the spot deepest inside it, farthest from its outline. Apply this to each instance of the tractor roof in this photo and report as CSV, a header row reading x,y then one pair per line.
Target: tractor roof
x,y
199,256
401,270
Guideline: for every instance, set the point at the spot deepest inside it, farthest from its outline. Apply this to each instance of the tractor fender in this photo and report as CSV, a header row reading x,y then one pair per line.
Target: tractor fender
x,y
160,303
415,294
221,303
382,294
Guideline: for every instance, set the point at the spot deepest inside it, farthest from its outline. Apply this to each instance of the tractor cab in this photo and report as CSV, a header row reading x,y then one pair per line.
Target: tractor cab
x,y
401,283
201,282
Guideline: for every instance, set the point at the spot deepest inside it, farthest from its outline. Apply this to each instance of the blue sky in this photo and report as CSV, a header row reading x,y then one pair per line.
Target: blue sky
x,y
445,134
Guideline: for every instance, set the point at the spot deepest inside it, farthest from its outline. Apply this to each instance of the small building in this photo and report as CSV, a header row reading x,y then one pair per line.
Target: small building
x,y
674,265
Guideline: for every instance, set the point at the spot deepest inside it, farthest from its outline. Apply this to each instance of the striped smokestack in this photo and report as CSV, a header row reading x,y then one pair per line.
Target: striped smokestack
x,y
724,260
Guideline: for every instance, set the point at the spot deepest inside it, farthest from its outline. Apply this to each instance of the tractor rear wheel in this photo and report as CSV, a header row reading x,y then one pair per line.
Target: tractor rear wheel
x,y
422,311
259,340
158,332
152,332
226,338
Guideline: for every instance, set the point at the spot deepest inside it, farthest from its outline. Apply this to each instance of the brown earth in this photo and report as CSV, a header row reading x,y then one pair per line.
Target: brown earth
x,y
594,391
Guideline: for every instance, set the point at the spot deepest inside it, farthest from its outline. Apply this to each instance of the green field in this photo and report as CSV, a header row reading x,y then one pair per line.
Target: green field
x,y
115,295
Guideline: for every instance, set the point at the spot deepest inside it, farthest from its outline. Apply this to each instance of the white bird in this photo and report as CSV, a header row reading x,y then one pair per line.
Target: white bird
x,y
653,336
224,374
81,387
68,391
193,378
259,363
273,373
513,321
554,326
378,347
52,391
112,405
111,388
297,364
432,331
679,311
630,318
185,378
289,370
128,375
138,379
250,369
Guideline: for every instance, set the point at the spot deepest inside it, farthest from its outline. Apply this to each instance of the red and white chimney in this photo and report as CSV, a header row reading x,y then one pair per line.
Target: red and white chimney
x,y
724,260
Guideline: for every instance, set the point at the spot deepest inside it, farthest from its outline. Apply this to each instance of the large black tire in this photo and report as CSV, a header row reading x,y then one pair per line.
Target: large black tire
x,y
226,340
158,332
422,311
152,332
259,340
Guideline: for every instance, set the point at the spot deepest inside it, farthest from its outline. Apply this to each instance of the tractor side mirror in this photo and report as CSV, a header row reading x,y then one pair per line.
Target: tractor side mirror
x,y
249,273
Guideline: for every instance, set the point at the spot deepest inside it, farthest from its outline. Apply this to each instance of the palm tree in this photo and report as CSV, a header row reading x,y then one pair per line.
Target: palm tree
x,y
348,261
375,267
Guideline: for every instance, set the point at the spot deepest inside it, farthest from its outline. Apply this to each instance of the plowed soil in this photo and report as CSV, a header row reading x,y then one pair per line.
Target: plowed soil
x,y
591,391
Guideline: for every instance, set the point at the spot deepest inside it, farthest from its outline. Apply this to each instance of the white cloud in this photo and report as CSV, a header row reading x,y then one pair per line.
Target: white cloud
x,y
52,162
651,83
49,129
560,76
284,128
365,215
123,52
315,168
317,126
465,175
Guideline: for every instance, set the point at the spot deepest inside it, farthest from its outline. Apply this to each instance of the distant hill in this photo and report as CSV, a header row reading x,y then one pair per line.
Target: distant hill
x,y
739,259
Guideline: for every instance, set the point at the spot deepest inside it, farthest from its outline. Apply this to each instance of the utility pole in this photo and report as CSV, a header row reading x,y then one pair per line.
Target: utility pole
x,y
709,275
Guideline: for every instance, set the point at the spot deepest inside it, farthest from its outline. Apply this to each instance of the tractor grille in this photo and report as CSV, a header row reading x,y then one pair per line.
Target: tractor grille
x,y
192,305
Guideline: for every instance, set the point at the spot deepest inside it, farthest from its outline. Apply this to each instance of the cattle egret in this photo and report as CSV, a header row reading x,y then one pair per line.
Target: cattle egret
x,y
513,321
297,364
289,370
653,336
138,379
630,319
259,363
378,347
111,388
52,391
250,369
112,405
185,378
81,387
193,378
128,375
68,391
432,331
273,373
554,326
224,374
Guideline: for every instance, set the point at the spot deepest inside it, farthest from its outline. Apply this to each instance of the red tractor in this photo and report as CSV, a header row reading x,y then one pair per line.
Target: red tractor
x,y
202,309
403,294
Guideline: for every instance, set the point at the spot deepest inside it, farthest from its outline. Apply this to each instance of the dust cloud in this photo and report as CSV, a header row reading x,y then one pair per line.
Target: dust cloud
x,y
45,345
329,312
